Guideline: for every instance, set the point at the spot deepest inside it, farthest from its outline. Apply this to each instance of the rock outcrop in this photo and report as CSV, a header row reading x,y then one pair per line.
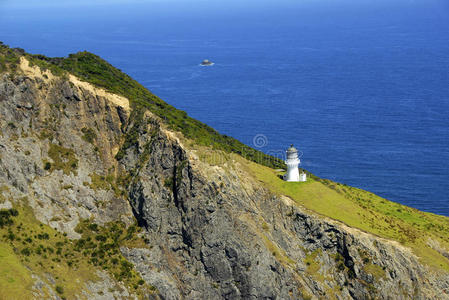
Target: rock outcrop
x,y
213,231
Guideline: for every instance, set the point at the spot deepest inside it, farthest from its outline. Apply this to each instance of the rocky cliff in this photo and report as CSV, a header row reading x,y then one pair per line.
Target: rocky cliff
x,y
72,153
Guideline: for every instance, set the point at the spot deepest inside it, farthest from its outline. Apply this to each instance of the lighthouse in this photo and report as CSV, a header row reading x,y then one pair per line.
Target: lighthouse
x,y
292,163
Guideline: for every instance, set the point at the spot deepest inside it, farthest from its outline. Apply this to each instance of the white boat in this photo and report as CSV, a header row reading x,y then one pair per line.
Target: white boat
x,y
207,62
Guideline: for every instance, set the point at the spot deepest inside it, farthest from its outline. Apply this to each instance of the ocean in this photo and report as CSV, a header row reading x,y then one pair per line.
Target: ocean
x,y
361,88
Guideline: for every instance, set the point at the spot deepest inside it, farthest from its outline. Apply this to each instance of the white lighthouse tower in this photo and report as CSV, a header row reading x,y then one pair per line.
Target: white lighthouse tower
x,y
292,163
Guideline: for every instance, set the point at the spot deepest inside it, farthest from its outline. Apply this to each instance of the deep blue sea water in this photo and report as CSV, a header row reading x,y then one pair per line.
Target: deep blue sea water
x,y
360,87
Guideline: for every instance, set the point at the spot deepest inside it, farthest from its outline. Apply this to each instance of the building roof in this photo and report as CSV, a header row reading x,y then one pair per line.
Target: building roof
x,y
292,149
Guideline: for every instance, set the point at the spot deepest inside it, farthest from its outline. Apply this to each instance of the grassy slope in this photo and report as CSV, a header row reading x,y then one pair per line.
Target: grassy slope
x,y
30,247
16,274
15,278
366,211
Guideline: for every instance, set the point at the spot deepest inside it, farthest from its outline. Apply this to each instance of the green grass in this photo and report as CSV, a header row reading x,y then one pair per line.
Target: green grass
x,y
15,278
313,265
39,249
108,182
28,246
89,135
63,159
277,252
100,182
9,58
100,245
213,158
374,270
366,211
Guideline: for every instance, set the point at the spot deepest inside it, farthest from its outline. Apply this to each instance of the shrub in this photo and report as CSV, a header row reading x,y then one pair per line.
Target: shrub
x,y
26,251
59,289
130,232
101,238
89,135
64,159
5,217
99,182
43,236
11,236
168,182
47,166
93,227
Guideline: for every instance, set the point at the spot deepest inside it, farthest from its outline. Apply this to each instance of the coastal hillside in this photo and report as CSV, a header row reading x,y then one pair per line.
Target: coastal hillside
x,y
107,192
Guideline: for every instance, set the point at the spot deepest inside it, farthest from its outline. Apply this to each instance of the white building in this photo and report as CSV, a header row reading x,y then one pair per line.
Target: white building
x,y
292,163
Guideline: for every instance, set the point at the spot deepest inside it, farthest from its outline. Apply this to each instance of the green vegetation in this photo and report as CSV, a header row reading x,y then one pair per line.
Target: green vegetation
x,y
179,169
364,210
3,188
377,271
9,58
213,158
108,182
15,278
133,132
6,217
63,159
59,289
265,226
277,252
313,265
101,246
305,295
89,135
340,262
168,182
100,182
29,247
374,270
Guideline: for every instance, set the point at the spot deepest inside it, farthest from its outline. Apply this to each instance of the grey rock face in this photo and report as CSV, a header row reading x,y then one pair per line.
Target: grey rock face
x,y
212,239
211,235
36,114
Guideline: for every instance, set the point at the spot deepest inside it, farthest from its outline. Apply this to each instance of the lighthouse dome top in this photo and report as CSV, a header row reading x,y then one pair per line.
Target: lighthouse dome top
x,y
292,149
